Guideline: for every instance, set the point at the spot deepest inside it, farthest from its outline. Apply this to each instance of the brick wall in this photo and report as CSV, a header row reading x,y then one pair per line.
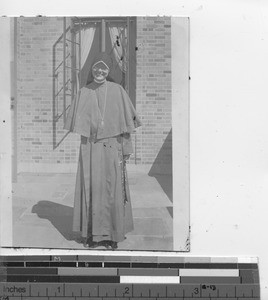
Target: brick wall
x,y
154,91
38,135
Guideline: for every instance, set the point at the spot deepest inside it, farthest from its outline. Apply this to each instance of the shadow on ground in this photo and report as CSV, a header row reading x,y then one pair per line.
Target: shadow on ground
x,y
60,216
162,166
47,222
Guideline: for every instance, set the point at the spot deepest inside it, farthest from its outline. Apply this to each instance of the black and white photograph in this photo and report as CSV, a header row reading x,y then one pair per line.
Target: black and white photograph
x,y
93,103
136,131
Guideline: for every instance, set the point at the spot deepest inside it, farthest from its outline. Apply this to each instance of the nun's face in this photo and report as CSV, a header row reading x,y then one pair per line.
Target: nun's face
x,y
100,71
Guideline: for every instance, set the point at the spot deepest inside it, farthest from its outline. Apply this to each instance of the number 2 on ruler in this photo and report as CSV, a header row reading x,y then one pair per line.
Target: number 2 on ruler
x,y
126,291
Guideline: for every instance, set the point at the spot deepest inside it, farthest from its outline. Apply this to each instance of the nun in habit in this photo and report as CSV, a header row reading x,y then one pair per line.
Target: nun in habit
x,y
104,116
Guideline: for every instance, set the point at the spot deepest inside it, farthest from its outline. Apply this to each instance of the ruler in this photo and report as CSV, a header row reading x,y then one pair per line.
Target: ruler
x,y
127,277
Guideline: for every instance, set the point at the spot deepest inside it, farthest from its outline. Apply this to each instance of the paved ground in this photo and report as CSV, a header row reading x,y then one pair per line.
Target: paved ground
x,y
42,212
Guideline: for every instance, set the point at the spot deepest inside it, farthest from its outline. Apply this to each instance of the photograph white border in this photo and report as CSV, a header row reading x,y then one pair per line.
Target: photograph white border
x,y
180,135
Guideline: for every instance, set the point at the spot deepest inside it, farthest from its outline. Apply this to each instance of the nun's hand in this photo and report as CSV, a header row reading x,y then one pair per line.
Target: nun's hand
x,y
126,157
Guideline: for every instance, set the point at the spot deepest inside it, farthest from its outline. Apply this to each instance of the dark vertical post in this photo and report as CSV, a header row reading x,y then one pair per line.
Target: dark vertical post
x,y
128,79
80,45
132,60
64,69
73,72
103,35
128,53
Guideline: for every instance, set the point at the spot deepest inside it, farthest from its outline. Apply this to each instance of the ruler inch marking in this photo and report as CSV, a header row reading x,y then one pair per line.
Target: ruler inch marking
x,y
235,291
36,281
